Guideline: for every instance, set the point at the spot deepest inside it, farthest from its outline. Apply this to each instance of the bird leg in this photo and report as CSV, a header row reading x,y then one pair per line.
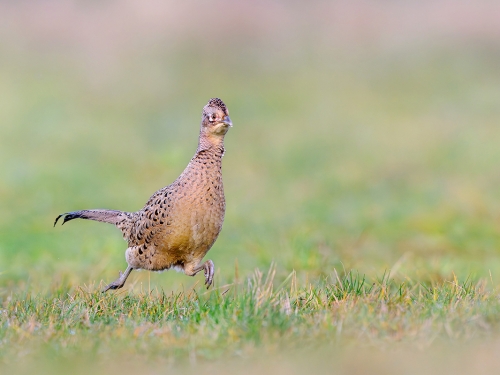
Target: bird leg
x,y
208,268
118,283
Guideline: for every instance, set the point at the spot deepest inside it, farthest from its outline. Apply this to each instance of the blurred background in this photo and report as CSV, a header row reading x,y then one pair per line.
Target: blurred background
x,y
366,134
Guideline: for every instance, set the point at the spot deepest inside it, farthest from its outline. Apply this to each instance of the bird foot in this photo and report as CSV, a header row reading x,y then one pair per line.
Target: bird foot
x,y
208,270
117,284
120,282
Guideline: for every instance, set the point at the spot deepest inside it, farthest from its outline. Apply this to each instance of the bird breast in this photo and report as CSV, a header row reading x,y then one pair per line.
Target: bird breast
x,y
197,208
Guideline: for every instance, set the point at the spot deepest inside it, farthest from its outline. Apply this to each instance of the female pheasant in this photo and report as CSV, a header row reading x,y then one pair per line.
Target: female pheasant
x,y
179,223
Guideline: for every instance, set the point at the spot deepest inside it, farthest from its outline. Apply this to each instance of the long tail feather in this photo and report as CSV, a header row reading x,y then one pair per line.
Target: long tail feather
x,y
105,216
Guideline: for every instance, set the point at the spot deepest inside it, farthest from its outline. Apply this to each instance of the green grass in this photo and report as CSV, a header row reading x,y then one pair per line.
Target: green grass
x,y
362,230
239,319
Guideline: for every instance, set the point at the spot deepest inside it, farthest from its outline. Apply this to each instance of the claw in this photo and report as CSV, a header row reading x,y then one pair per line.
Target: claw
x,y
120,282
117,284
111,286
209,273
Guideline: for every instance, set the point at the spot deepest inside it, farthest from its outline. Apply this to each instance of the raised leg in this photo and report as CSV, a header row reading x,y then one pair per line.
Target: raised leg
x,y
118,283
208,270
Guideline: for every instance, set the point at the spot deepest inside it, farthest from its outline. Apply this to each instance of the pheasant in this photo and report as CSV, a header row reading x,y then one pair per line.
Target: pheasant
x,y
180,222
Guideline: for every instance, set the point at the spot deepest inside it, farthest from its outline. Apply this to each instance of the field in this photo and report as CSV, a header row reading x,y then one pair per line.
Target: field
x,y
362,231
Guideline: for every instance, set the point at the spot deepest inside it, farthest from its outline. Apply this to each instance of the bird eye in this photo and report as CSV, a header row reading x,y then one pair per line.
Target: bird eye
x,y
212,117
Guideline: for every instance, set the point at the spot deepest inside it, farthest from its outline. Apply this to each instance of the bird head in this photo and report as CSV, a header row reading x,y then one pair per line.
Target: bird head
x,y
215,120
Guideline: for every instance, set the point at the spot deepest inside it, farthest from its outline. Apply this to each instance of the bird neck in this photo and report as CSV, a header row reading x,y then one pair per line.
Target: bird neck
x,y
211,144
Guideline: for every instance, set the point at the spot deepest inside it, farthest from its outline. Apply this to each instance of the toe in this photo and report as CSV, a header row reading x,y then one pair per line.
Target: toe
x,y
113,285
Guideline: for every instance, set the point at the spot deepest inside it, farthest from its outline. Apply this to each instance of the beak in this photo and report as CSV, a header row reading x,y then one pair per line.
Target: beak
x,y
226,120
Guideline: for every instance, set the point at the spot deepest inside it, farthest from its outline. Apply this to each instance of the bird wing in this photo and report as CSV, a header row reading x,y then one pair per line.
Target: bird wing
x,y
151,220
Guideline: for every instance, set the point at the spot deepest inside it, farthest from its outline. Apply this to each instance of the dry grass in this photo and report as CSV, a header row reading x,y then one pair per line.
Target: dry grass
x,y
242,320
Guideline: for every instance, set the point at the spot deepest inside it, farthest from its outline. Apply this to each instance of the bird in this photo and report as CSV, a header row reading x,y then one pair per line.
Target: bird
x,y
180,222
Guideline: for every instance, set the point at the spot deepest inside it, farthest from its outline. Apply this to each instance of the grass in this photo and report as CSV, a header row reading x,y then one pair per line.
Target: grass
x,y
361,177
240,318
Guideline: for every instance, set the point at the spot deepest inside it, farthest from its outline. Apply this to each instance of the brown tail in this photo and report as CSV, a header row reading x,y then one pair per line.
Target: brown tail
x,y
105,216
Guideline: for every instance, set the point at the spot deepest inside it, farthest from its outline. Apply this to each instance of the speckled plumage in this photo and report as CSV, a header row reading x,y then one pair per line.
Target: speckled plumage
x,y
180,222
